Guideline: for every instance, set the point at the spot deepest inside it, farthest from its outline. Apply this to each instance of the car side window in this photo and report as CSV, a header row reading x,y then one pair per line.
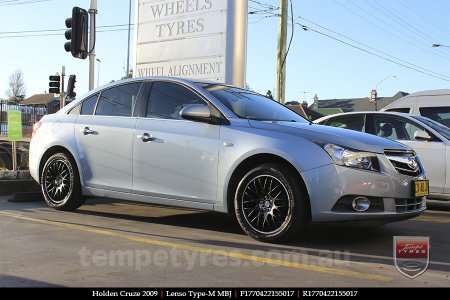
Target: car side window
x,y
168,99
118,101
404,110
75,110
88,105
348,122
396,128
439,114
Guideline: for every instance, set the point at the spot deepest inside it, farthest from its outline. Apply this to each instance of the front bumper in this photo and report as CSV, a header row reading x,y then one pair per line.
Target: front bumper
x,y
331,185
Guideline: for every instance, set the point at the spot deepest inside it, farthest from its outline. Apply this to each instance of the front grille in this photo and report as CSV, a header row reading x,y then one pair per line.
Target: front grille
x,y
405,162
409,204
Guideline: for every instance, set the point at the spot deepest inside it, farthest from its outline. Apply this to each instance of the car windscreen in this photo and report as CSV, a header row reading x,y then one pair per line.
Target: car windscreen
x,y
252,106
442,129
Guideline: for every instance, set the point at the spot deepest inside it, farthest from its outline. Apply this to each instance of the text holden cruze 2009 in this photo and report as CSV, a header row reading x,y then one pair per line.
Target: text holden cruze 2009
x,y
211,146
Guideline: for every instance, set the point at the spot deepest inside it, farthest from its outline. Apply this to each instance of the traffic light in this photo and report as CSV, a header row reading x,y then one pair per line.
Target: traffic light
x,y
77,34
71,86
54,84
373,95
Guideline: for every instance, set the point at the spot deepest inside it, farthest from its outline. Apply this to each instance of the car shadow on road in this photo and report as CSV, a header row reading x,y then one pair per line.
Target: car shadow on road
x,y
360,244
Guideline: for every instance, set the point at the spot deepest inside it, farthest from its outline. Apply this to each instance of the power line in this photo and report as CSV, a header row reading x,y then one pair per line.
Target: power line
x,y
401,21
21,3
62,29
371,48
292,35
54,34
446,31
306,28
385,30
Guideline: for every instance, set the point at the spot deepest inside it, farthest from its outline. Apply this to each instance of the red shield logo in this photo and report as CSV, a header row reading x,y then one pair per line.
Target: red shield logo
x,y
411,254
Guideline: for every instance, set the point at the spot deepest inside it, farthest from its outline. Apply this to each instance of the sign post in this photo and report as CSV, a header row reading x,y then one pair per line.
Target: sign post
x,y
14,132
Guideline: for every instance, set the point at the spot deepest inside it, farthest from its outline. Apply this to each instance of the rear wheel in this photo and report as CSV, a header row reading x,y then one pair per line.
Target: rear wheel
x,y
60,183
270,205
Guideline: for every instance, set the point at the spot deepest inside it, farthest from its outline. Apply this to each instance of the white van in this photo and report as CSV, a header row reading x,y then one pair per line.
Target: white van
x,y
433,104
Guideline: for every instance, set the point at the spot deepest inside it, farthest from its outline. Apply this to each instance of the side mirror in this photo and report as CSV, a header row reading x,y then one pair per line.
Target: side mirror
x,y
196,112
422,135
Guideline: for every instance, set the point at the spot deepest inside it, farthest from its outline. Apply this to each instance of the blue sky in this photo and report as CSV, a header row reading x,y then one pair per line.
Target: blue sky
x,y
400,31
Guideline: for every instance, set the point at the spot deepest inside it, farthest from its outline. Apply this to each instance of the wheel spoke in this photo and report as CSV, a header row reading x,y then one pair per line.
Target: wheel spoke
x,y
57,180
265,203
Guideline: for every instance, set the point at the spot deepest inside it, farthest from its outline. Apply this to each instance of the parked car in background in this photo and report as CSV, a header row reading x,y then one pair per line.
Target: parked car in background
x,y
216,147
434,104
430,139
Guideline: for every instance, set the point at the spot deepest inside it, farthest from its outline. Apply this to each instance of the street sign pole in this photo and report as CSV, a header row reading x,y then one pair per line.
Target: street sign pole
x,y
62,94
14,155
92,12
14,133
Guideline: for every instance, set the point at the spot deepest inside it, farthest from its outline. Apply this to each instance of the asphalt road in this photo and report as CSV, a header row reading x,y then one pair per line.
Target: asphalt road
x,y
115,244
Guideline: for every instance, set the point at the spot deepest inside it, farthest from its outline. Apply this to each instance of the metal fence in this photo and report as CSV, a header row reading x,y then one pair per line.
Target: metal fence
x,y
30,115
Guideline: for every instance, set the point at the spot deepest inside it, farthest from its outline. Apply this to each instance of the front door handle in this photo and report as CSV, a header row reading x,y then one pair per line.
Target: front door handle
x,y
146,137
87,131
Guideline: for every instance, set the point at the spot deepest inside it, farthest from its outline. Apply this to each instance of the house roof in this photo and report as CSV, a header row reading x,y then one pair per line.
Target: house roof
x,y
358,104
328,111
39,99
298,109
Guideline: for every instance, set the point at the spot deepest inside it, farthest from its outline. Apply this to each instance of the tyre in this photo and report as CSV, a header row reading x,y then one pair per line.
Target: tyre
x,y
270,204
60,183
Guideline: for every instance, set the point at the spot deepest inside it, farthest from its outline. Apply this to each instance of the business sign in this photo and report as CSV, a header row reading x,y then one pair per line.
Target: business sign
x,y
201,39
411,254
14,125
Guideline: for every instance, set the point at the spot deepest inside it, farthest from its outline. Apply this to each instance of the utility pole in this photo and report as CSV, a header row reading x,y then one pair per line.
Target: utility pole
x,y
281,53
92,12
128,49
61,93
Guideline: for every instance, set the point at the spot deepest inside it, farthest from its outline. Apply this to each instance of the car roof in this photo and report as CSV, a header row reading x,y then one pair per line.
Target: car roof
x,y
364,113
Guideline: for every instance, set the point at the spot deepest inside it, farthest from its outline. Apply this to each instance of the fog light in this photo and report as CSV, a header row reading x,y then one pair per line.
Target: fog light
x,y
360,204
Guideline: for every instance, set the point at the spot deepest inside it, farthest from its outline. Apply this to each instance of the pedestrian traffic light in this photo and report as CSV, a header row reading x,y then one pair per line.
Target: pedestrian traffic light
x,y
54,84
77,34
71,86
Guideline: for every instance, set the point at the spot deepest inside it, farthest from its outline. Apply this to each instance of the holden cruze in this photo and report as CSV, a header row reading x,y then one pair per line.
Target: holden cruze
x,y
216,147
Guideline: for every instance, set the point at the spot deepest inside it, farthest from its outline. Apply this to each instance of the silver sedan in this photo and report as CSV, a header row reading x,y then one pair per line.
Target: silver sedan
x,y
211,146
430,140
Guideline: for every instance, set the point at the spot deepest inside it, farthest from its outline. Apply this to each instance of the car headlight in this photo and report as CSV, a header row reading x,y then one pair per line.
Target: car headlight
x,y
351,158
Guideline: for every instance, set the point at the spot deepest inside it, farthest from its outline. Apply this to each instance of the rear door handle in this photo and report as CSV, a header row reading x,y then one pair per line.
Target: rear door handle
x,y
146,137
87,131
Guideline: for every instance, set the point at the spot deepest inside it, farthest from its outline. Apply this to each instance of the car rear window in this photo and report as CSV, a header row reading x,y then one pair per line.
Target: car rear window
x,y
439,114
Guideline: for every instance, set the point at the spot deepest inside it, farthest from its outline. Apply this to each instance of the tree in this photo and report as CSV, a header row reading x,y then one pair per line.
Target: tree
x,y
17,90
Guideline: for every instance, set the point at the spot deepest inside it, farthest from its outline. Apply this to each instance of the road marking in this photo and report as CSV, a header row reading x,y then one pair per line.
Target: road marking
x,y
433,219
253,258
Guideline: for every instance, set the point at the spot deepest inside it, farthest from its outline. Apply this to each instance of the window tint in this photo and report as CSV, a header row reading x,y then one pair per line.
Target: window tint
x,y
438,114
168,99
88,106
396,128
348,122
400,109
118,101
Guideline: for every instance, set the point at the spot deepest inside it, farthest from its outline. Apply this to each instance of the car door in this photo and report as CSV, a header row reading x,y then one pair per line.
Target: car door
x,y
432,153
174,158
104,137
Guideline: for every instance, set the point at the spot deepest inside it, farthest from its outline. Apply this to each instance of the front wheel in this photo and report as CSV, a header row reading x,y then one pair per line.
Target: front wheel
x,y
60,183
270,205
